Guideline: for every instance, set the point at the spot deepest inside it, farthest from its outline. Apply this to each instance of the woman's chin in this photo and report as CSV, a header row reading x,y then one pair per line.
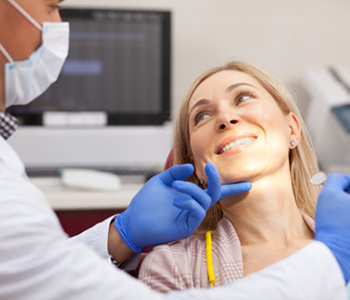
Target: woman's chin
x,y
231,180
249,172
242,177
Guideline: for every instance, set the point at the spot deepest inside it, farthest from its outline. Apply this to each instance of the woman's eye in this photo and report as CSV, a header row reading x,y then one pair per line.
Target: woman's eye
x,y
243,98
201,116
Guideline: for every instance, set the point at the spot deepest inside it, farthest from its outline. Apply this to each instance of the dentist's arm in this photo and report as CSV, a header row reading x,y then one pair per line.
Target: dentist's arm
x,y
333,219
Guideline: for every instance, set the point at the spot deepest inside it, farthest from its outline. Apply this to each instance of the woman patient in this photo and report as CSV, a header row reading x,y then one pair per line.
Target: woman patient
x,y
247,124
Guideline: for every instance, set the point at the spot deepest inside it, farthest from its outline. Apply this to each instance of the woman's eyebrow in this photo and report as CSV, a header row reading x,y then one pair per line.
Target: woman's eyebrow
x,y
199,103
229,89
236,85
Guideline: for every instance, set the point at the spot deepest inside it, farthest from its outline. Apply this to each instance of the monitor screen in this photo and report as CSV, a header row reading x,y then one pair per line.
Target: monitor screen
x,y
118,65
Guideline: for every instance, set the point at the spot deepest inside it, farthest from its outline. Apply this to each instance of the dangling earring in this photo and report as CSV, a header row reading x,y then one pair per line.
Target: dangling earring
x,y
292,143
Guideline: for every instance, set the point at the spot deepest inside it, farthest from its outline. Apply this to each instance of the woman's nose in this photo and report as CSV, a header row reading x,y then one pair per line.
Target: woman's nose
x,y
226,121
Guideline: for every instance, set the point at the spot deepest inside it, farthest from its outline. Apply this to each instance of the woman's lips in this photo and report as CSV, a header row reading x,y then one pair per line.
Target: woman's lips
x,y
233,142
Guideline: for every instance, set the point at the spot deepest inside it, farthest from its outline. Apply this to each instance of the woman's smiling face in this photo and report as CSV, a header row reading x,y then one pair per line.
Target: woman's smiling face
x,y
236,124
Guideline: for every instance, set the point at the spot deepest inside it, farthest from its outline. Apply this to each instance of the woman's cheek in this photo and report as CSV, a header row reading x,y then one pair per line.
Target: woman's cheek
x,y
198,147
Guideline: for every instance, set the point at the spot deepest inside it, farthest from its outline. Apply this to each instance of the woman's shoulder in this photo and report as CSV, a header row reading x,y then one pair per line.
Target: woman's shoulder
x,y
183,251
182,264
172,266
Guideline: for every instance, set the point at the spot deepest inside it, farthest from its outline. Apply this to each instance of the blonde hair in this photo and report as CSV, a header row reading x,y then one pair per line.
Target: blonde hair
x,y
302,159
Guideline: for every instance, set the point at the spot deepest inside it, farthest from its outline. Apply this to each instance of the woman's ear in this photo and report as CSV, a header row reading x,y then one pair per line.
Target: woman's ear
x,y
294,130
200,176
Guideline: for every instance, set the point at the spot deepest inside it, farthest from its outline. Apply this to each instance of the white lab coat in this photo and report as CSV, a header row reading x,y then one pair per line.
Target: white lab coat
x,y
38,261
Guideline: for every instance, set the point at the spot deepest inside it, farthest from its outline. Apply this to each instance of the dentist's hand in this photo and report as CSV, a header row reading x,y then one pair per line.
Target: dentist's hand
x,y
168,209
333,219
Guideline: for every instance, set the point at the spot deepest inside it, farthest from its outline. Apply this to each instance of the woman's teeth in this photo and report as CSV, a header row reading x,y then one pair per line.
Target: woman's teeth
x,y
236,143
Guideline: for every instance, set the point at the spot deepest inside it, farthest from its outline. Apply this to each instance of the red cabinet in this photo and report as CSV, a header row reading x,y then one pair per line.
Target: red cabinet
x,y
76,221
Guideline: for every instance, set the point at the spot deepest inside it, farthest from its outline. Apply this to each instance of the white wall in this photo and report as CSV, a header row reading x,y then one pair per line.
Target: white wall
x,y
281,36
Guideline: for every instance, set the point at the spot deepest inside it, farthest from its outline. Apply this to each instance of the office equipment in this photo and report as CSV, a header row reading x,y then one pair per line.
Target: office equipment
x,y
64,198
90,180
342,113
111,104
328,116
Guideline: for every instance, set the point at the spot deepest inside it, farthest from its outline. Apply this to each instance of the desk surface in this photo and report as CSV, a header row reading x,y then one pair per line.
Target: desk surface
x,y
65,198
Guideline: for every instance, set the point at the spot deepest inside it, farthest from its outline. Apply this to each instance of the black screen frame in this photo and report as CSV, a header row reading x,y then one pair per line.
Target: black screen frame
x,y
27,118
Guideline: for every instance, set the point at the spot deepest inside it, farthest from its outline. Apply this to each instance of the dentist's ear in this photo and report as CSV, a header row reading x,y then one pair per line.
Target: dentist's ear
x,y
294,130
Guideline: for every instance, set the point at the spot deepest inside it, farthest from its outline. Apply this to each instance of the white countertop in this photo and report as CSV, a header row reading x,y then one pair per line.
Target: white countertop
x,y
66,198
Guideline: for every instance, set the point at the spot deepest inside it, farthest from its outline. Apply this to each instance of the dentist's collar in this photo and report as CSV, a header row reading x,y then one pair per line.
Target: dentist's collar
x,y
8,124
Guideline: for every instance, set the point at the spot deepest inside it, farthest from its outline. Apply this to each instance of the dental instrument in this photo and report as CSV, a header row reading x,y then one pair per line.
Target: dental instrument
x,y
318,178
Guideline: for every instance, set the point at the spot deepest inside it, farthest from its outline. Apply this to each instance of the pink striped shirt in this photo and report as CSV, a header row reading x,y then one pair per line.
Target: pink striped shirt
x,y
183,264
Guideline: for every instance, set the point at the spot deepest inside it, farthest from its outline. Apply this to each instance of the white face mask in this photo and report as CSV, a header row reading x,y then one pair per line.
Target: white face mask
x,y
28,79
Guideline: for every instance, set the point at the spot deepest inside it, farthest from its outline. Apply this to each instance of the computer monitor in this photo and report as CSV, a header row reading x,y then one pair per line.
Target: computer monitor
x,y
118,67
111,104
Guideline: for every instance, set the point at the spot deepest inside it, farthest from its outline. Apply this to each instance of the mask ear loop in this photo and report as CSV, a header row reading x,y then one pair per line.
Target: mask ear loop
x,y
6,54
25,14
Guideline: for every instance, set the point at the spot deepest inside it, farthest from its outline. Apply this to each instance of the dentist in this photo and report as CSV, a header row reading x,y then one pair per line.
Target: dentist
x,y
38,261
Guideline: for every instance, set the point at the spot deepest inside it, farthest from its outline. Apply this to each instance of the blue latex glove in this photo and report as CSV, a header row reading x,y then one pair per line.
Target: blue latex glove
x,y
333,219
168,209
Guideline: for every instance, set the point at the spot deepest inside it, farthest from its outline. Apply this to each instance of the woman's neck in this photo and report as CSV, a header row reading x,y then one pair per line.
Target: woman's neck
x,y
268,213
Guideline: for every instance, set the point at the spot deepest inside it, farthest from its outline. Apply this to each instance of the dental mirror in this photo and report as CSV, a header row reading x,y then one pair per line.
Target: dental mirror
x,y
318,178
